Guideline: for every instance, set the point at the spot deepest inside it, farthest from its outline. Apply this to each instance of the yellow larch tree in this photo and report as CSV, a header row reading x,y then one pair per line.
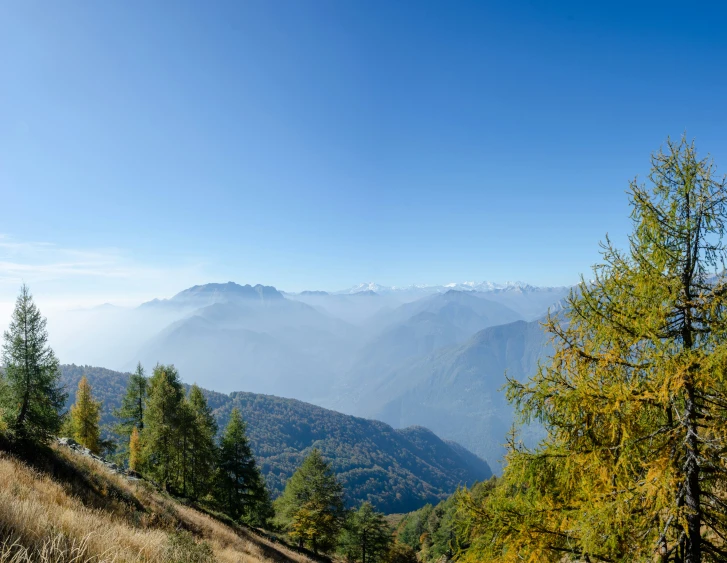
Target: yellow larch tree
x,y
633,400
85,417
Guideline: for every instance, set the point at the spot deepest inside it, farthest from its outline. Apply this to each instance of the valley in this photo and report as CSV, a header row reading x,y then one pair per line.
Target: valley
x,y
431,356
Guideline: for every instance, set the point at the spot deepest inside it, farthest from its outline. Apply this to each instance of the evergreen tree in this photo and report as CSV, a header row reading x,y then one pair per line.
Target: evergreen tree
x,y
366,535
240,487
634,400
311,506
134,450
202,448
85,417
32,397
131,412
161,425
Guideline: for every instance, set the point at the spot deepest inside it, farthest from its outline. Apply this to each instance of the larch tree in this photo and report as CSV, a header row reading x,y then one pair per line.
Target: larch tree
x,y
85,417
134,450
203,450
634,399
32,397
161,424
311,507
131,411
240,488
366,536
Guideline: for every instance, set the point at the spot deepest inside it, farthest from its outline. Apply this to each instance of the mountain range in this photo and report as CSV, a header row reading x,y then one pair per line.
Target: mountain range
x,y
434,356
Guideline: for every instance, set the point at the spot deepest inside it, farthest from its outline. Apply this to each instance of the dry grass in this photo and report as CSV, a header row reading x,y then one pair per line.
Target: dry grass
x,y
86,514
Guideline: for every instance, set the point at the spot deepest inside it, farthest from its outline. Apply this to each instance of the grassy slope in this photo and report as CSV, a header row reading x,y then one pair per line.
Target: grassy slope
x,y
60,507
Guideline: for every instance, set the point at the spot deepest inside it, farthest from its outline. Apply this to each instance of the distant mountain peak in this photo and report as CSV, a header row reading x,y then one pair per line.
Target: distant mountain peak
x,y
423,289
220,292
230,289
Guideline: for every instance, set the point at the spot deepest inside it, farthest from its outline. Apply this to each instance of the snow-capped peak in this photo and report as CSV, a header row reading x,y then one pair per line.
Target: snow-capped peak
x,y
483,286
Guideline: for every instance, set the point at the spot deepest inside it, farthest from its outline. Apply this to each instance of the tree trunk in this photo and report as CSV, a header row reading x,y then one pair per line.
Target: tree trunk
x,y
26,392
693,547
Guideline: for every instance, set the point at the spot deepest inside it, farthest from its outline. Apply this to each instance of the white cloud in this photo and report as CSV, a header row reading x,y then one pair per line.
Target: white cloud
x,y
71,277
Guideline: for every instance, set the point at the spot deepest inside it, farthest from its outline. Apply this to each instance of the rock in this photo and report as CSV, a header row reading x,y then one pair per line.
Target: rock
x,y
70,442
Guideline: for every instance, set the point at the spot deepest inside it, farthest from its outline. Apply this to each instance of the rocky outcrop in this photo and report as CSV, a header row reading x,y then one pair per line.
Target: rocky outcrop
x,y
111,466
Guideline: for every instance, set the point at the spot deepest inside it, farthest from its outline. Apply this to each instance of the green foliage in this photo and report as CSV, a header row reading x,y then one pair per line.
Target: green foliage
x,y
85,416
414,526
131,411
395,470
443,531
240,488
311,506
31,397
634,398
366,536
400,553
161,425
201,445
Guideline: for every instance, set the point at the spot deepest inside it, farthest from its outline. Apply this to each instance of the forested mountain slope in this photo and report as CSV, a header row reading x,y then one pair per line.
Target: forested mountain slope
x,y
457,391
396,470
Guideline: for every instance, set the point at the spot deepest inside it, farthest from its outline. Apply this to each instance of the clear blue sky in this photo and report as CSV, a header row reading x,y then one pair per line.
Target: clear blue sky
x,y
146,146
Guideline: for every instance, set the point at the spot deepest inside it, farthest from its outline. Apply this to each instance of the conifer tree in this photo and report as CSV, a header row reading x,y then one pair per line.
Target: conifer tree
x,y
32,398
311,506
85,417
131,411
185,430
634,400
161,424
366,535
240,487
134,450
202,448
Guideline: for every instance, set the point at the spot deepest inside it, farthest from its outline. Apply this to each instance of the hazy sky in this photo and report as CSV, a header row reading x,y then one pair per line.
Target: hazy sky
x,y
149,146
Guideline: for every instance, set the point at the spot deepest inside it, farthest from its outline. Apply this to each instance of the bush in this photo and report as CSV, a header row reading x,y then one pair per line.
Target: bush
x,y
184,549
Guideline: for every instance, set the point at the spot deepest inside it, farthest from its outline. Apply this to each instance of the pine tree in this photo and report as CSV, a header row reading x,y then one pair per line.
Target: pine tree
x,y
240,487
634,399
203,451
311,506
366,535
134,450
161,425
85,417
32,397
131,412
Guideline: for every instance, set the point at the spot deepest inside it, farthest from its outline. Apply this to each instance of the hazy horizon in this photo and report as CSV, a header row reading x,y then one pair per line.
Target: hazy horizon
x,y
148,148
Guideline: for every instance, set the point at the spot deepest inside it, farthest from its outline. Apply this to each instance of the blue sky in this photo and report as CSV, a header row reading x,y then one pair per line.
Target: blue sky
x,y
149,146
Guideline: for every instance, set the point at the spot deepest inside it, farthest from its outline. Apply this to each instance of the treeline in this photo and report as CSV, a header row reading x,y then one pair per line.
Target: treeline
x,y
170,437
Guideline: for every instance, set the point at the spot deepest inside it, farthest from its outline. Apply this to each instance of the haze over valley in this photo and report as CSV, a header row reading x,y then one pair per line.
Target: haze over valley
x,y
432,356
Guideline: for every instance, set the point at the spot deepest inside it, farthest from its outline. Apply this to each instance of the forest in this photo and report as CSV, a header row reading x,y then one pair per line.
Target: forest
x,y
396,470
633,403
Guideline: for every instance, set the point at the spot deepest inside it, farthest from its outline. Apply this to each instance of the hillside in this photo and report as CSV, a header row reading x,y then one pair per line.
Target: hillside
x,y
457,391
61,507
412,331
396,470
